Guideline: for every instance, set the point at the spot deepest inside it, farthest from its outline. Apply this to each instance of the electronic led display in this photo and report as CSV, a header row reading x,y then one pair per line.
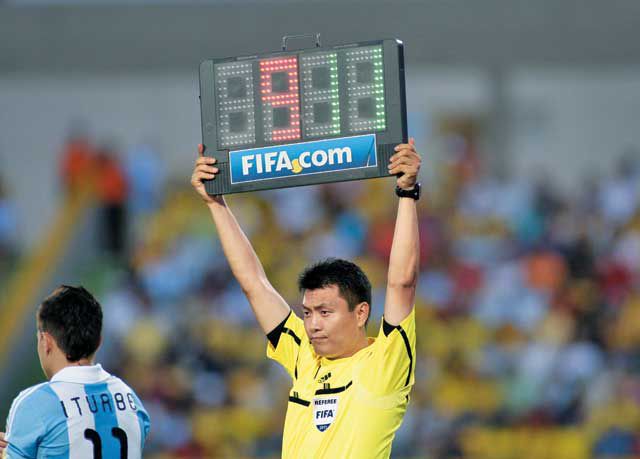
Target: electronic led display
x,y
365,89
304,95
309,95
234,99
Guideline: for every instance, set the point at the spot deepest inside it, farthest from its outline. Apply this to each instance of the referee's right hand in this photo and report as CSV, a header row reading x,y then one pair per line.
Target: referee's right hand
x,y
3,443
204,170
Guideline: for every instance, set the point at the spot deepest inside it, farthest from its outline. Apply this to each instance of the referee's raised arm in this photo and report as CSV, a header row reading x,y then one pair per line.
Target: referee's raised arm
x,y
268,306
405,251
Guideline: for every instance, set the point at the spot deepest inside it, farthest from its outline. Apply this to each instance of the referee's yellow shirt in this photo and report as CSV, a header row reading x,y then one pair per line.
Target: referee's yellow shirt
x,y
350,407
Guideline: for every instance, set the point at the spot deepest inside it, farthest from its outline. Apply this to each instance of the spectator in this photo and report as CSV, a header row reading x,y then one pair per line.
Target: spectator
x,y
77,161
112,191
146,177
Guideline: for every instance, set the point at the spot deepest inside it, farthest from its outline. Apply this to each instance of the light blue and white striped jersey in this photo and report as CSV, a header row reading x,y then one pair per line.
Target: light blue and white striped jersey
x,y
82,413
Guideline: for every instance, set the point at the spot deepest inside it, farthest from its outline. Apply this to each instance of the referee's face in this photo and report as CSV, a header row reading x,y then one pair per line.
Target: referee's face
x,y
334,330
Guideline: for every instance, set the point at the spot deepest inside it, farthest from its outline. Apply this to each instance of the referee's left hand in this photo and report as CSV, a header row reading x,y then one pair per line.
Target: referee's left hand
x,y
3,443
406,161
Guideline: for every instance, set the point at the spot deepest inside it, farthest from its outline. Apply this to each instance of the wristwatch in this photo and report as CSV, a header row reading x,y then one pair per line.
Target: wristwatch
x,y
414,193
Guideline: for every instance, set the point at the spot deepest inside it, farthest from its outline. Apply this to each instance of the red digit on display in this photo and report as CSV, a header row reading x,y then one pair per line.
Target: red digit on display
x,y
280,100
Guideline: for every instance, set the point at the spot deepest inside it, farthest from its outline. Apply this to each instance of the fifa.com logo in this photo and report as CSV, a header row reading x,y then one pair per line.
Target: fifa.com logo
x,y
277,161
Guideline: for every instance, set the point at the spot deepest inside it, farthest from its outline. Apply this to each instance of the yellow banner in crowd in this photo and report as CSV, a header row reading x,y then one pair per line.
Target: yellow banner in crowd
x,y
526,443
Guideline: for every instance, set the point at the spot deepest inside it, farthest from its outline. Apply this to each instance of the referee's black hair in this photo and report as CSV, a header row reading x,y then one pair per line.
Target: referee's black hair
x,y
352,282
74,318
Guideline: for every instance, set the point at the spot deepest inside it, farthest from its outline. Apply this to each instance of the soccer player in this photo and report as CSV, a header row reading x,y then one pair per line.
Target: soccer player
x,y
82,412
350,392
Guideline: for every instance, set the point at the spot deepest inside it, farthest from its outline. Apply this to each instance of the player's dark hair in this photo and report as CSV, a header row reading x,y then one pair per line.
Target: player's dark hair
x,y
352,282
74,318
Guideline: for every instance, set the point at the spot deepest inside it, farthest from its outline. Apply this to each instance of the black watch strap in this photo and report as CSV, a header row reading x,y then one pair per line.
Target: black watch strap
x,y
413,193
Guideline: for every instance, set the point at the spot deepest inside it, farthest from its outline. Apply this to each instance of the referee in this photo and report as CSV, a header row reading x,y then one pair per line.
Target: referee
x,y
350,392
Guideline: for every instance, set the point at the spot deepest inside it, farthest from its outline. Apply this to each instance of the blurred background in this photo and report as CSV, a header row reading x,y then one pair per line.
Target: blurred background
x,y
527,115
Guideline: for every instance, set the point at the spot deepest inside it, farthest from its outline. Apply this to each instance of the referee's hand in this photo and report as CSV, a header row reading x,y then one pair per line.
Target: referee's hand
x,y
406,162
204,170
3,443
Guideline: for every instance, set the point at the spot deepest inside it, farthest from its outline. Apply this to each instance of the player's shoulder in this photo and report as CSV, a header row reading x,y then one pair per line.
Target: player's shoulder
x,y
35,399
115,382
36,392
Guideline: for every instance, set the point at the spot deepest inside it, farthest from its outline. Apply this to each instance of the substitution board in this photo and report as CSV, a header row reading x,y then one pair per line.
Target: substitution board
x,y
293,118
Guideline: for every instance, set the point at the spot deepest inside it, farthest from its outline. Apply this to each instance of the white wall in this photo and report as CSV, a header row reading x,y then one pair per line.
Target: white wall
x,y
573,122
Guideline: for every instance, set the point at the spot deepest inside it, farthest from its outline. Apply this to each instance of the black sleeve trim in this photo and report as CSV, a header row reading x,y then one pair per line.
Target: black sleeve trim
x,y
290,332
387,328
405,338
274,335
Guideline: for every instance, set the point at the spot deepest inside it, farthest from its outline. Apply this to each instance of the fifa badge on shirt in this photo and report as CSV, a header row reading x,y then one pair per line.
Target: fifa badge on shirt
x,y
325,411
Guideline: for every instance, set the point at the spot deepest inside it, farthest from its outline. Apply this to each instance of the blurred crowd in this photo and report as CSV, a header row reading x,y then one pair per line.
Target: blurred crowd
x,y
127,185
528,308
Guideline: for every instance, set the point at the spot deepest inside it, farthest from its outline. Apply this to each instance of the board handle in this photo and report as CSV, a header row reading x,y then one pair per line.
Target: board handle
x,y
315,36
